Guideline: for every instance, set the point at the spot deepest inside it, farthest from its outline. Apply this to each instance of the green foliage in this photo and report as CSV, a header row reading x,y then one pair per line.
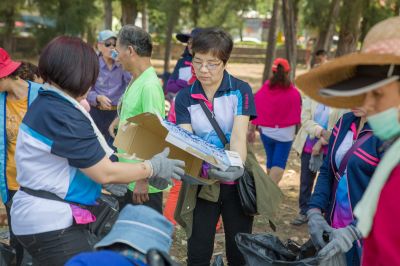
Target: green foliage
x,y
315,13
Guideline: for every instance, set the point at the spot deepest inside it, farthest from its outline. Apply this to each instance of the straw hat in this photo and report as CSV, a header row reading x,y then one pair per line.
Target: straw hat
x,y
343,82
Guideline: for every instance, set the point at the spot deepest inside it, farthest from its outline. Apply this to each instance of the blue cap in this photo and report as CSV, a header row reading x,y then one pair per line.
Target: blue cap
x,y
141,228
105,35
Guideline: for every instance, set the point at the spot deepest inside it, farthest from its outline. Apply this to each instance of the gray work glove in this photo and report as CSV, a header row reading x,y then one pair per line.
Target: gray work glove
x,y
231,174
340,241
163,167
118,190
317,225
316,162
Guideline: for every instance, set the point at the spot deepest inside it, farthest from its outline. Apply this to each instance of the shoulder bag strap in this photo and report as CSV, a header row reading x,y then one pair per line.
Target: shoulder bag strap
x,y
213,122
346,157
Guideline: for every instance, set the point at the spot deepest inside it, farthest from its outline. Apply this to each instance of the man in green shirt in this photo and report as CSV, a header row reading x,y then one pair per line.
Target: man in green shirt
x,y
143,94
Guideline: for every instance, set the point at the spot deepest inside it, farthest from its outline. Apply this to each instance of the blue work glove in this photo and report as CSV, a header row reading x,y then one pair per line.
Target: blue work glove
x,y
163,167
317,225
316,162
118,190
340,241
231,174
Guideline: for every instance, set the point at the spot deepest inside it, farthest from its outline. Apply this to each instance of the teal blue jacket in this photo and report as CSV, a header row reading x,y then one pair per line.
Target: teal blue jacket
x,y
33,90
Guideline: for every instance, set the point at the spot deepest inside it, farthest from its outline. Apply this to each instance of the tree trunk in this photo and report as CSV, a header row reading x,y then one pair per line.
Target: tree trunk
x,y
195,12
9,19
270,52
326,31
289,13
349,26
172,19
107,14
129,11
144,16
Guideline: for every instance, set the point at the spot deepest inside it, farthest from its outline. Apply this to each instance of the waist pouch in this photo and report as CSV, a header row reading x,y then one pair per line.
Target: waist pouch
x,y
105,210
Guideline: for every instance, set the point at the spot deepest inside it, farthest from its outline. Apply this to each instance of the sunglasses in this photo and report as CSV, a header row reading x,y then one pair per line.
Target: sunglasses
x,y
108,44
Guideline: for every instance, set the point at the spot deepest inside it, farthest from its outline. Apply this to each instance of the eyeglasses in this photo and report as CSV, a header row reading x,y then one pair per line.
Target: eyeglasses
x,y
210,67
108,44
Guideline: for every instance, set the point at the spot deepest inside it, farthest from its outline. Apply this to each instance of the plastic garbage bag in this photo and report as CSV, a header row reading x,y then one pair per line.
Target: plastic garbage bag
x,y
267,249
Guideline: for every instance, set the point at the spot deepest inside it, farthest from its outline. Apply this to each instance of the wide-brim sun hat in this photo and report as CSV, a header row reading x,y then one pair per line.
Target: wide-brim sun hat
x,y
7,66
141,228
343,82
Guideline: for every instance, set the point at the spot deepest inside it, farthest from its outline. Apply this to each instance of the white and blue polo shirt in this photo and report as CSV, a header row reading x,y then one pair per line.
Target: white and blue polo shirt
x,y
55,140
234,97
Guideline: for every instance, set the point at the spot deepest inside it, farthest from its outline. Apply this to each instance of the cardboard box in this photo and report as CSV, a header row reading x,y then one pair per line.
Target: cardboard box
x,y
147,134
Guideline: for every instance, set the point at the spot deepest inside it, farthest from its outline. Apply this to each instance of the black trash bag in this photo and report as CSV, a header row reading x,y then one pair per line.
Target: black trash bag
x,y
267,249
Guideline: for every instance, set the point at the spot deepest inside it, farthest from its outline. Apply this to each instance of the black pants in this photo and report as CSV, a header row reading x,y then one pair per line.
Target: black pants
x,y
205,218
155,201
307,178
103,120
56,247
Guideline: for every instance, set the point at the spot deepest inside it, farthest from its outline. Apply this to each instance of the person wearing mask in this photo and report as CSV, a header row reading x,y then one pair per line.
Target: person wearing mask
x,y
278,104
61,152
310,143
231,102
104,96
144,94
17,94
370,79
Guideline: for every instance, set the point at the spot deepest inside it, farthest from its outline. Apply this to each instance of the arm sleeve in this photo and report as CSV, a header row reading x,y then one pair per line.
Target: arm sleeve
x,y
323,188
181,108
91,98
76,141
307,121
246,105
174,84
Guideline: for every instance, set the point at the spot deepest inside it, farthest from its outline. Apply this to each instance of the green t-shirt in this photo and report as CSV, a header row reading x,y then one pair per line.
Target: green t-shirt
x,y
144,94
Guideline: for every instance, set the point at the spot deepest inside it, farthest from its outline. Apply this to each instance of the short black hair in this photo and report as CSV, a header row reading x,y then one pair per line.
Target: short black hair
x,y
320,52
70,63
139,39
213,40
25,71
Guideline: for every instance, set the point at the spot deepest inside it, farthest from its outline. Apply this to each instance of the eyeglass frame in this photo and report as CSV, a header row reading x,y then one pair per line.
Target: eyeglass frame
x,y
210,67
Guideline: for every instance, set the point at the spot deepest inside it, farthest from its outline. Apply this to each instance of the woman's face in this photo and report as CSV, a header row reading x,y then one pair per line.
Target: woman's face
x,y
106,47
209,69
382,99
359,112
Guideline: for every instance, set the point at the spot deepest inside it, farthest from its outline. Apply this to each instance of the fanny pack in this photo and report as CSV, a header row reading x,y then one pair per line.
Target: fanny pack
x,y
104,212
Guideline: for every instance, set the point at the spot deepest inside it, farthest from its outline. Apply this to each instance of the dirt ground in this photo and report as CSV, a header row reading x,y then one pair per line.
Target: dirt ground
x,y
289,184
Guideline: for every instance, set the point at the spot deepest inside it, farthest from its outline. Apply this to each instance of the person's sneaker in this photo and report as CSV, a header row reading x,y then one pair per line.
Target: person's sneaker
x,y
300,219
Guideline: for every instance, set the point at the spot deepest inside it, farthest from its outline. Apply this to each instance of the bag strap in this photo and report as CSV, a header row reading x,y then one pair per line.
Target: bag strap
x,y
211,117
44,194
346,157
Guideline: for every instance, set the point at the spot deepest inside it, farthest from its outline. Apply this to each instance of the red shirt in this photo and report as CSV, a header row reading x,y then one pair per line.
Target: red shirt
x,y
382,246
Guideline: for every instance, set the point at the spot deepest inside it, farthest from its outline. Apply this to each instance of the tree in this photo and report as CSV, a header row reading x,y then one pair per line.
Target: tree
x,y
129,10
270,52
107,14
349,26
172,18
289,14
8,13
144,16
326,32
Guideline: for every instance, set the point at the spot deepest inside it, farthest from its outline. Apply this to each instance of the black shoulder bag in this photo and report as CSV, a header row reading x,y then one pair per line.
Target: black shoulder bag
x,y
246,185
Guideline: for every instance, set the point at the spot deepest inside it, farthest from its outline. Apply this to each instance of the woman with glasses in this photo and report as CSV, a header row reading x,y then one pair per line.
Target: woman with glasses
x,y
278,105
110,85
231,102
